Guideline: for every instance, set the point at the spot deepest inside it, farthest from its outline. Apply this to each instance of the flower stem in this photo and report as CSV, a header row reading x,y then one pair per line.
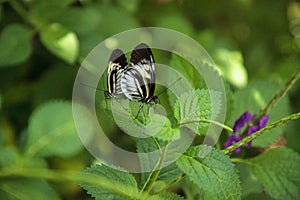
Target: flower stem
x,y
258,133
280,94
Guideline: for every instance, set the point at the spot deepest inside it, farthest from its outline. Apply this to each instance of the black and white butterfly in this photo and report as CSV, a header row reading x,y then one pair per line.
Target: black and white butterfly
x,y
138,80
116,65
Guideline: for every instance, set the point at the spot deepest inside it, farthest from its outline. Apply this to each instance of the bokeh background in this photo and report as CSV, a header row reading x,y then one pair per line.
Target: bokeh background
x,y
42,44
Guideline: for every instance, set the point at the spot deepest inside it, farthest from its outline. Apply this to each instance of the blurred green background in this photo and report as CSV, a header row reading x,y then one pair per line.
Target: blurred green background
x,y
42,44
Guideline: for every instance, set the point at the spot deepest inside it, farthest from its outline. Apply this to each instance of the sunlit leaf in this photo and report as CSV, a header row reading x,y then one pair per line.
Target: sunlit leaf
x,y
61,42
231,65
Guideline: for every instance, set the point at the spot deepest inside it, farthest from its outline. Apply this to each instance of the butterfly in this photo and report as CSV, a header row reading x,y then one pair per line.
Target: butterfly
x,y
138,80
116,66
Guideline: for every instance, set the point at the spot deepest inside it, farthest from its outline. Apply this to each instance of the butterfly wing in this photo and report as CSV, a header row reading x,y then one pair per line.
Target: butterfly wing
x,y
116,66
138,81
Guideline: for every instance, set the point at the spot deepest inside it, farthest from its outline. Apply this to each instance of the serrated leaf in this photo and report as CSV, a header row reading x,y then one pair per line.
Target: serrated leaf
x,y
27,189
211,171
113,184
15,45
52,131
278,171
191,107
61,42
165,196
156,125
254,98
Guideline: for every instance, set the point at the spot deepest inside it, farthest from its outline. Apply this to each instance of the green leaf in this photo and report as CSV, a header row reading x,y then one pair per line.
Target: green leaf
x,y
156,125
278,172
231,65
109,183
52,131
112,15
249,183
15,46
254,98
61,42
81,20
187,70
191,107
211,171
27,189
175,21
165,196
46,12
161,128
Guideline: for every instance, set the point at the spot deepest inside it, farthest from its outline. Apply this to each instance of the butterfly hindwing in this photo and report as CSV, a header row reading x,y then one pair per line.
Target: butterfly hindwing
x,y
138,80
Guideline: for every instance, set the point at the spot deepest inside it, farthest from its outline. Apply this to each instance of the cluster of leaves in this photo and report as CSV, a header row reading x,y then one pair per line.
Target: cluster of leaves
x,y
41,44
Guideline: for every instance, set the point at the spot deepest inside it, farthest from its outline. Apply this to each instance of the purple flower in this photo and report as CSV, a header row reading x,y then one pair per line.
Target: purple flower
x,y
244,119
232,140
261,124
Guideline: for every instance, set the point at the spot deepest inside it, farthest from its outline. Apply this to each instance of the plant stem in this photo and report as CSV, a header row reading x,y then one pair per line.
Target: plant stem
x,y
280,94
176,180
258,133
19,9
155,174
208,121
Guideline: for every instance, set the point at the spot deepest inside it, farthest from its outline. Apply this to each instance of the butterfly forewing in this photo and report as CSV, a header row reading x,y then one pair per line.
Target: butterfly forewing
x,y
116,66
138,81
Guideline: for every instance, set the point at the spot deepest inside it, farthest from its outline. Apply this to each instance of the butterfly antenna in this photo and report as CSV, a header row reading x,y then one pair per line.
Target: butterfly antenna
x,y
169,86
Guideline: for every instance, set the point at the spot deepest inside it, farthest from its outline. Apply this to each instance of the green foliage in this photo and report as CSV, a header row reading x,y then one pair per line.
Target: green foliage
x,y
112,183
15,45
277,170
42,44
191,107
48,131
61,42
254,98
211,171
27,189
